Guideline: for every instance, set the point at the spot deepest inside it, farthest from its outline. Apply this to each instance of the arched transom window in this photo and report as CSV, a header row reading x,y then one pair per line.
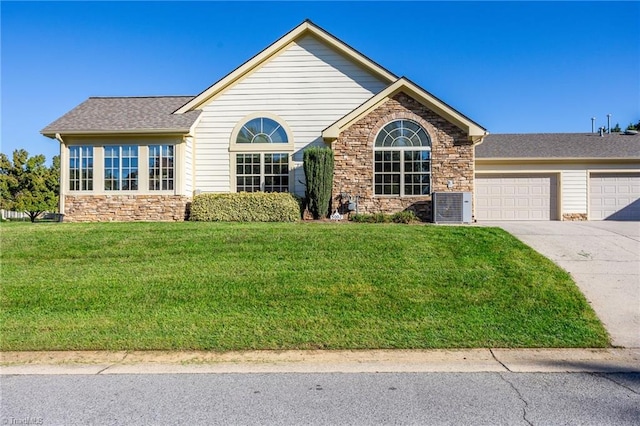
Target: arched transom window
x,y
262,130
263,163
402,160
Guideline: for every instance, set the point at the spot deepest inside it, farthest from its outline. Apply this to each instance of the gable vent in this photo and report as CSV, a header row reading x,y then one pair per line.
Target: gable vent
x,y
452,207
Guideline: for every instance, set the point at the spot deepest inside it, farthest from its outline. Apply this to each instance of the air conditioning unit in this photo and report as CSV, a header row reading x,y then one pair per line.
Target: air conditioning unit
x,y
452,207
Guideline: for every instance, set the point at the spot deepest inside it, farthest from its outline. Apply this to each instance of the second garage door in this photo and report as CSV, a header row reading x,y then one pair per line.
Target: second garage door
x,y
516,197
614,196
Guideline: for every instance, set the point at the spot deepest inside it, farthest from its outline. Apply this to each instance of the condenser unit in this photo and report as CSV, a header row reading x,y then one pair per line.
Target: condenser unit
x,y
452,207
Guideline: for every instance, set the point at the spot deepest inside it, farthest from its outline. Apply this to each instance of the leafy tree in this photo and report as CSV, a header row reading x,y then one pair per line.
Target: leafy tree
x,y
632,126
617,128
27,184
318,171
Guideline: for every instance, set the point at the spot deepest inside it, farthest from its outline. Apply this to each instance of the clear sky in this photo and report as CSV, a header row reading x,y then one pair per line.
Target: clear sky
x,y
513,67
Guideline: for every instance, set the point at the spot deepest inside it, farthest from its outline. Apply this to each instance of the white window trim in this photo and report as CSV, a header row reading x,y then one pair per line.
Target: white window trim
x,y
67,186
234,173
402,161
98,145
122,179
260,148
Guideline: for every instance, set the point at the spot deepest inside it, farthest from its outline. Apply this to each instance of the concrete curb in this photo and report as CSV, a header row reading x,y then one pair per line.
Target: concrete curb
x,y
365,361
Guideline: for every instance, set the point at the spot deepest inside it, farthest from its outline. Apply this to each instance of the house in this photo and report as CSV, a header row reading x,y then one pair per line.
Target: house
x,y
395,144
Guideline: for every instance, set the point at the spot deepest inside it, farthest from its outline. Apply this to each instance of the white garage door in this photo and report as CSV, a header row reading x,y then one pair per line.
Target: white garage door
x,y
516,197
614,196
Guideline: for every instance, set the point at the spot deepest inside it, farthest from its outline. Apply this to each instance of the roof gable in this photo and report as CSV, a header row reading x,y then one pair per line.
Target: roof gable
x,y
307,28
473,129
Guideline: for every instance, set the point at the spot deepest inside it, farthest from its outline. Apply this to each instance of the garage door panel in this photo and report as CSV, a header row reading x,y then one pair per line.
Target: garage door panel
x,y
516,197
614,196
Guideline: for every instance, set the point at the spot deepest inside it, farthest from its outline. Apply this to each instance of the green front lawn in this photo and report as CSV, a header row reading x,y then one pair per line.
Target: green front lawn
x,y
223,286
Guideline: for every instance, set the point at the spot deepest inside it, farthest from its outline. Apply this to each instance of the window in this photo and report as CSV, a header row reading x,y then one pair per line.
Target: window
x,y
161,169
81,168
121,168
263,164
402,160
268,172
262,130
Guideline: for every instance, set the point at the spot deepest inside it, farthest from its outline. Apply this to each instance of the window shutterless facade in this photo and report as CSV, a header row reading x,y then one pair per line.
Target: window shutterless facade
x,y
161,168
81,168
263,163
121,168
402,160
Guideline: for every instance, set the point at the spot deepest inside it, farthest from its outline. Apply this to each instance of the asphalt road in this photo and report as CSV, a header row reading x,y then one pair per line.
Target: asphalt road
x,y
323,399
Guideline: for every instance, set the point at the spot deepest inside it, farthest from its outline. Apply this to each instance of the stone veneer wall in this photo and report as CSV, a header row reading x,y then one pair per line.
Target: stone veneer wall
x,y
574,216
451,158
126,208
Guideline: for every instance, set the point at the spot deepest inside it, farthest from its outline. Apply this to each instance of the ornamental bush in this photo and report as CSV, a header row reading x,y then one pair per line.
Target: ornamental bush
x,y
318,172
406,216
245,207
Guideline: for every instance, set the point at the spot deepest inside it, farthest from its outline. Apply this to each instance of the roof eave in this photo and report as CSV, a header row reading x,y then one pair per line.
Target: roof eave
x,y
137,132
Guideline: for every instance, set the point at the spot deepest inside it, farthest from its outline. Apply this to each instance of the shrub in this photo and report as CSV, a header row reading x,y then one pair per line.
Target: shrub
x,y
371,218
361,218
318,172
245,207
406,216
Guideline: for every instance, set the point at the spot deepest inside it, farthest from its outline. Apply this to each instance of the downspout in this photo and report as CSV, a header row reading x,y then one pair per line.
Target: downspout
x,y
63,161
475,140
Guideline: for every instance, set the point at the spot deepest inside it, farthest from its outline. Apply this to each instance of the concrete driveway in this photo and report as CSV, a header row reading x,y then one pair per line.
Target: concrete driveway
x,y
604,260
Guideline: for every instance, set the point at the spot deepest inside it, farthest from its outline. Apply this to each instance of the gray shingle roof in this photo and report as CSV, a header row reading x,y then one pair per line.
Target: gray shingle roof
x,y
559,145
124,114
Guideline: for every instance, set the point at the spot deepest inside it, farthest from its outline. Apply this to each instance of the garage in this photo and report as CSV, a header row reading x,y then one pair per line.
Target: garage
x,y
516,196
614,196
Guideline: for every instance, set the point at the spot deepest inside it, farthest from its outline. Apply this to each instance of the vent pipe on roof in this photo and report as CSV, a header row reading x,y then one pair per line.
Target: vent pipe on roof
x,y
601,129
593,124
609,123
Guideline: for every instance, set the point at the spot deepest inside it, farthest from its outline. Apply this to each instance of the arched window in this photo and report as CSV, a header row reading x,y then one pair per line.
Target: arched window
x,y
262,130
402,160
263,161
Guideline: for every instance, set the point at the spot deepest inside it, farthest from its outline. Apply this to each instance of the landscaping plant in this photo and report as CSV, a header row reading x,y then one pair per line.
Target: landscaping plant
x,y
245,207
318,171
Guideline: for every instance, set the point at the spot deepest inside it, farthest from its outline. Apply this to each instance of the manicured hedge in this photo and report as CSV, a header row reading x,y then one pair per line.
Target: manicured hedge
x,y
245,207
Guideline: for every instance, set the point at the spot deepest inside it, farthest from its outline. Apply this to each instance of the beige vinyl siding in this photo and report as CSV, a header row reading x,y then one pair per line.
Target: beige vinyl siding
x,y
574,177
307,85
574,190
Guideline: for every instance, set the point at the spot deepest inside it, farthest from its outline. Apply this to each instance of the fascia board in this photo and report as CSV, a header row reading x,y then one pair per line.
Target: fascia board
x,y
94,133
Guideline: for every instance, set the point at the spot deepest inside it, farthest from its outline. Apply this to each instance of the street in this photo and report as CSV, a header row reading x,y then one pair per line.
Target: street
x,y
484,398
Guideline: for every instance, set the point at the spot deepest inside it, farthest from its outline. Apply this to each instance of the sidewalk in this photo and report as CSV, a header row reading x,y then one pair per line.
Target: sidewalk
x,y
316,361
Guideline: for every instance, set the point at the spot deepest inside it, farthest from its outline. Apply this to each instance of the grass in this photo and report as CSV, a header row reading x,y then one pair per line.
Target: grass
x,y
222,286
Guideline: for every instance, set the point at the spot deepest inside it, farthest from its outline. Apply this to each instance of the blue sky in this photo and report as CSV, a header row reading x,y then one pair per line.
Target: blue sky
x,y
513,67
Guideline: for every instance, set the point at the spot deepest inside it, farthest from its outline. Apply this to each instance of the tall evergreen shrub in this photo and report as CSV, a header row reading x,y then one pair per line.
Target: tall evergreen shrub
x,y
318,171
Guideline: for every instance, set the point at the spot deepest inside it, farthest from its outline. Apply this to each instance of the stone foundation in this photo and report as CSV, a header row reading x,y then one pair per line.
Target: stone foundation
x,y
574,217
452,158
126,208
